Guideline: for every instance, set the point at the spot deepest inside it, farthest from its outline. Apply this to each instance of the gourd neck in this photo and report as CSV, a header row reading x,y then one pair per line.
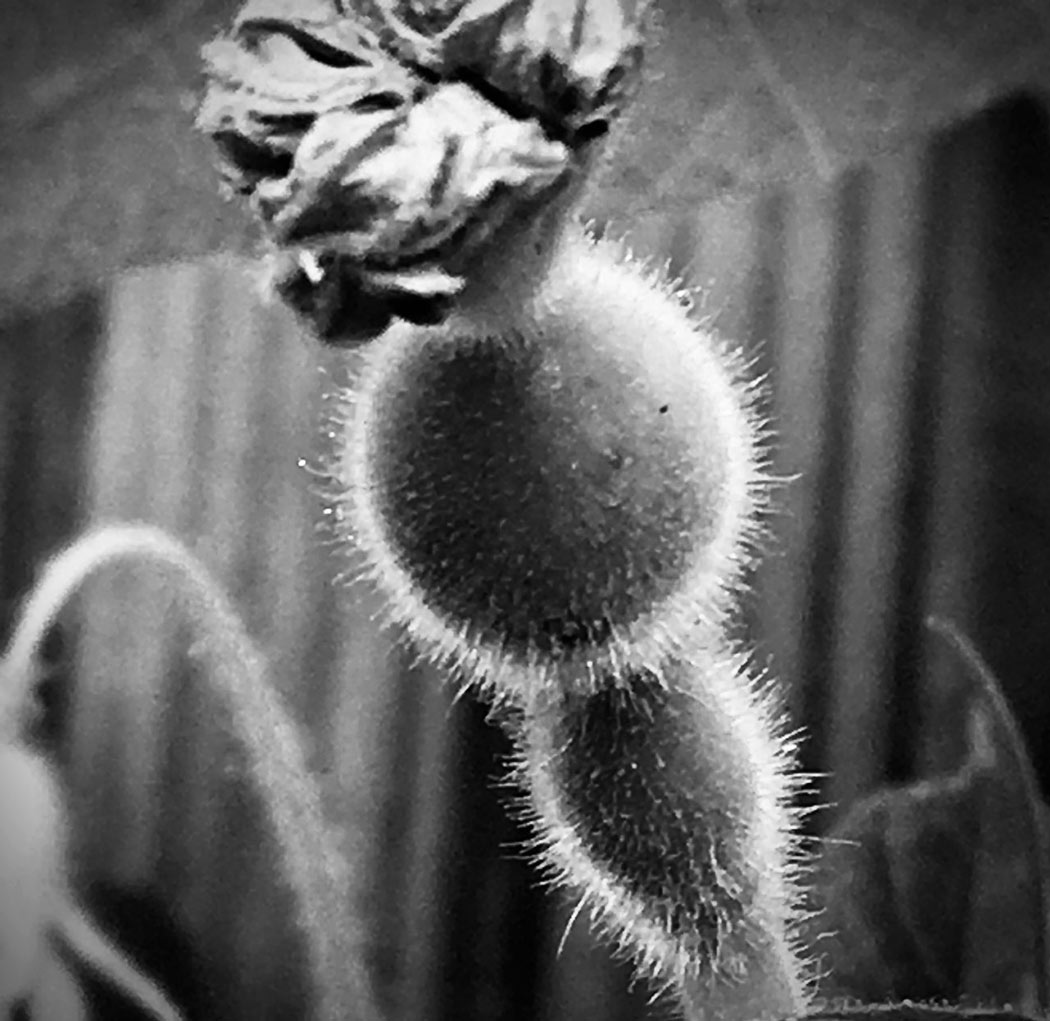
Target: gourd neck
x,y
504,280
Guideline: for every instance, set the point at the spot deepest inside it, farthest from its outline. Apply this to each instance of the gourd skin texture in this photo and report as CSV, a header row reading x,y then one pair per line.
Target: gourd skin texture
x,y
664,798
550,488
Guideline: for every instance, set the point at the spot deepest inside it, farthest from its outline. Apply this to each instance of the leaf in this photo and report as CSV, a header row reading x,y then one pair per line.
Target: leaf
x,y
936,890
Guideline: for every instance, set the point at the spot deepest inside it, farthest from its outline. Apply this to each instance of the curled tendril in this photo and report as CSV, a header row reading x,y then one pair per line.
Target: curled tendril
x,y
383,147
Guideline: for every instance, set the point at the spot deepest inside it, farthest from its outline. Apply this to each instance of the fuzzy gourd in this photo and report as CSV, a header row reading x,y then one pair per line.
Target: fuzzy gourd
x,y
559,494
549,467
664,798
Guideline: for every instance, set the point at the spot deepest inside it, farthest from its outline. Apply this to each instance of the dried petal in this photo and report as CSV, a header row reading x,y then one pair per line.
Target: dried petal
x,y
403,134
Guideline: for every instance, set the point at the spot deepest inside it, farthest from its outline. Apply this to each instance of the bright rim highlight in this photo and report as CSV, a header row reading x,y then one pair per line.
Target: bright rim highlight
x,y
563,497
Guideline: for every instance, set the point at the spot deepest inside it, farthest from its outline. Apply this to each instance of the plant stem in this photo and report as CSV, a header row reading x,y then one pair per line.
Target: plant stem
x,y
312,862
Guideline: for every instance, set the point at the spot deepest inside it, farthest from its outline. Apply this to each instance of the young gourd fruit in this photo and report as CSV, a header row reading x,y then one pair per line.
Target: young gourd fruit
x,y
664,798
557,485
549,466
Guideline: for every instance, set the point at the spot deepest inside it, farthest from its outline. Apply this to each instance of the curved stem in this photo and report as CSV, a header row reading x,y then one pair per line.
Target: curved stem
x,y
313,864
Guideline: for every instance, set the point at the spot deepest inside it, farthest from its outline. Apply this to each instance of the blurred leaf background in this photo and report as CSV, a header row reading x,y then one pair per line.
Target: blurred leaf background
x,y
863,191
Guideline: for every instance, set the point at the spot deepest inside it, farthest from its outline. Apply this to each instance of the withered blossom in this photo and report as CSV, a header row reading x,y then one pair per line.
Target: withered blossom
x,y
383,144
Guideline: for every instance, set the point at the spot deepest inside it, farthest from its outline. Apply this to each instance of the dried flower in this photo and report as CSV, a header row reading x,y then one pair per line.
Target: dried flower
x,y
393,142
